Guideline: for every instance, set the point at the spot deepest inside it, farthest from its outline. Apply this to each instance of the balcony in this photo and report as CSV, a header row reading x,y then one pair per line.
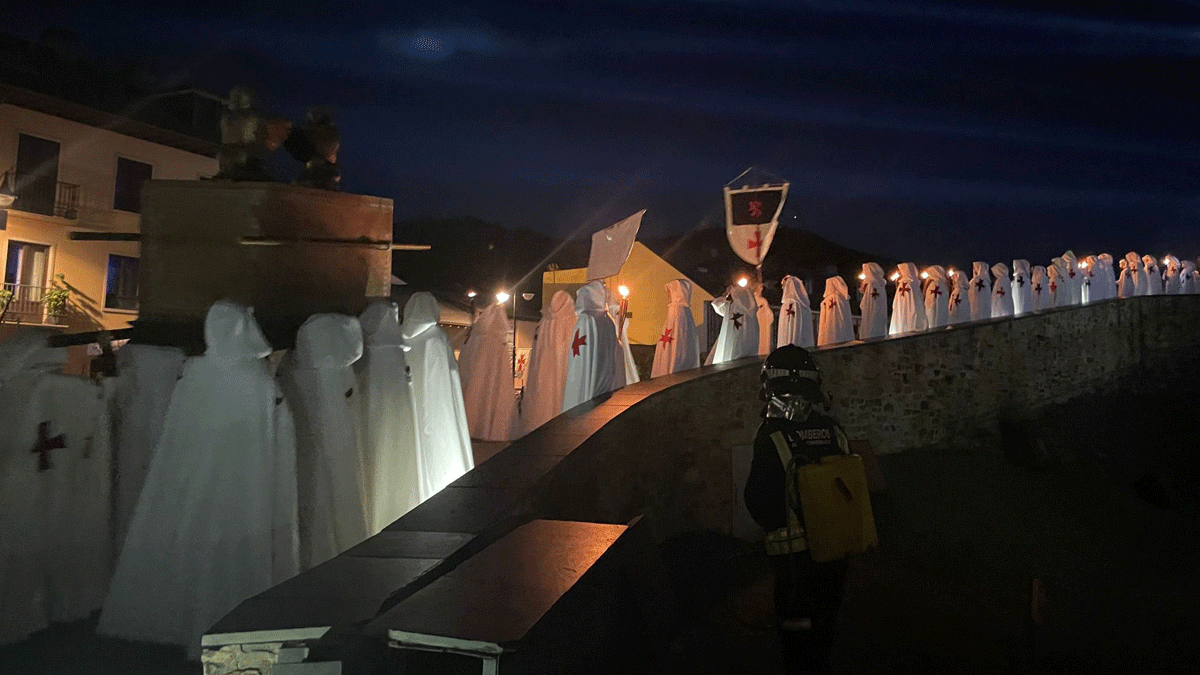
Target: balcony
x,y
25,304
48,198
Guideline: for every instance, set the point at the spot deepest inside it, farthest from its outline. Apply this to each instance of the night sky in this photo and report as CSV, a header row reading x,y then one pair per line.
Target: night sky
x,y
915,129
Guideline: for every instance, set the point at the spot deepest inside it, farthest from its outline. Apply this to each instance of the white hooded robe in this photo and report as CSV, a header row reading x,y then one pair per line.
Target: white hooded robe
x,y
1060,295
1040,281
1154,280
1187,278
387,423
1171,279
55,463
443,439
1074,280
908,311
795,315
146,376
739,326
485,366
547,375
626,373
1137,274
960,303
1104,279
1022,288
937,297
592,367
677,348
766,322
837,325
1002,297
980,293
216,522
318,380
872,305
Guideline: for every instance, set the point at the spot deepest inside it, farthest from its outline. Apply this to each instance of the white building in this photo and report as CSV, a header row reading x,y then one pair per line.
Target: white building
x,y
72,169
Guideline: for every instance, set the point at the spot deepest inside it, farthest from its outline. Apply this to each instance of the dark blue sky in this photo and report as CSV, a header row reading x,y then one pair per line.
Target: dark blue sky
x,y
917,129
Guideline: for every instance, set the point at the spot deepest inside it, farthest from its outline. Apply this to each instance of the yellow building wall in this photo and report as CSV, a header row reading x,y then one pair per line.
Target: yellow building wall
x,y
646,275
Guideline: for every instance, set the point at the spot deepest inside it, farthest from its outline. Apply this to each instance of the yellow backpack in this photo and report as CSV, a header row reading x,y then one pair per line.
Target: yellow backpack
x,y
835,501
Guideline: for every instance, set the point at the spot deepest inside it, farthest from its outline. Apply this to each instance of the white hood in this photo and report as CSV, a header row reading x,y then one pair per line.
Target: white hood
x,y
420,314
230,332
328,341
1021,267
1000,270
679,292
591,297
979,270
380,323
908,271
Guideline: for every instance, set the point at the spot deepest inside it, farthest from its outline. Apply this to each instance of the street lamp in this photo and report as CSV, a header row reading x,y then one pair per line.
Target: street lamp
x,y
502,297
742,282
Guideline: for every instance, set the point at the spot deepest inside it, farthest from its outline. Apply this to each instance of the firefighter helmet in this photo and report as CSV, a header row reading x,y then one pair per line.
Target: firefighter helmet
x,y
790,371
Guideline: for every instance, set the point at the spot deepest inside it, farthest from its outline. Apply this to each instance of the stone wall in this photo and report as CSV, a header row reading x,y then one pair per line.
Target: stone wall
x,y
670,454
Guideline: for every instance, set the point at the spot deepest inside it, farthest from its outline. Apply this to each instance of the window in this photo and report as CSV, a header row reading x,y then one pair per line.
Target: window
x,y
26,271
121,286
37,174
130,176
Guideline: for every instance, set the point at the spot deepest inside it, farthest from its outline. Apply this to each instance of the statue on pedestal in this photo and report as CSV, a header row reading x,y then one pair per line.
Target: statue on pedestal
x,y
316,144
247,138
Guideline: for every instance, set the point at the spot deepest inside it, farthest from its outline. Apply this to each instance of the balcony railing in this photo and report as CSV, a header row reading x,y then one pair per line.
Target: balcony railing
x,y
45,197
25,305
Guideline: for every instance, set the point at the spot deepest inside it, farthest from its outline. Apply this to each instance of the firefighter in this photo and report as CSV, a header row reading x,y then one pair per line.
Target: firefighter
x,y
794,433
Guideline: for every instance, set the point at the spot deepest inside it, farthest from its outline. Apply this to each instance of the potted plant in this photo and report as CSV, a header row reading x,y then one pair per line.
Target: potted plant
x,y
54,300
5,298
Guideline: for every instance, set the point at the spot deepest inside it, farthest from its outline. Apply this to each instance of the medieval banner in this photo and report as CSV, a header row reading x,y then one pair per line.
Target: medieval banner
x,y
611,247
751,215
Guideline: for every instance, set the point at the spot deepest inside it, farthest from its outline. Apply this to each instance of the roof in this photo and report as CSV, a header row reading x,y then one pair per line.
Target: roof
x,y
55,80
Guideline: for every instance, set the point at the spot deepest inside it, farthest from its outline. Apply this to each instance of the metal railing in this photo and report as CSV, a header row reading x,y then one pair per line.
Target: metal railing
x,y
25,305
49,199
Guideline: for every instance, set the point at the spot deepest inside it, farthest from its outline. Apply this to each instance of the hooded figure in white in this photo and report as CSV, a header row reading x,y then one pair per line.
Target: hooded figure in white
x,y
485,366
442,433
146,376
55,463
1022,288
837,325
216,521
626,373
677,348
387,423
960,303
1137,275
908,312
1187,278
547,375
981,291
1104,279
1073,278
766,321
1059,296
872,305
937,297
795,315
1090,291
1002,296
318,381
739,327
1040,281
1154,278
1171,281
591,365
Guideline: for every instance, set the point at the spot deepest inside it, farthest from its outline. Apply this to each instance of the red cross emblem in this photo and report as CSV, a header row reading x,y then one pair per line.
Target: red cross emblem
x,y
979,284
874,292
999,291
1037,288
791,311
954,300
521,362
1053,287
737,320
936,292
757,241
666,337
1072,274
580,340
45,444
903,290
1020,281
832,304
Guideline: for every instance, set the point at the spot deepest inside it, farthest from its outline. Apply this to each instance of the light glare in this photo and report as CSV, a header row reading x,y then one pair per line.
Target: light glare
x,y
502,297
624,291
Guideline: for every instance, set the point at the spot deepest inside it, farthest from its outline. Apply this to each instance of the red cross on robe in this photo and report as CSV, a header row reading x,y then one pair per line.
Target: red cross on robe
x,y
979,284
580,340
1020,281
1037,288
45,444
666,337
936,292
1000,291
1053,287
903,290
874,292
832,304
737,320
791,309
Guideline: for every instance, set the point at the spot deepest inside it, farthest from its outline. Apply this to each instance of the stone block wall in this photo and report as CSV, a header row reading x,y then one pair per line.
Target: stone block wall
x,y
668,455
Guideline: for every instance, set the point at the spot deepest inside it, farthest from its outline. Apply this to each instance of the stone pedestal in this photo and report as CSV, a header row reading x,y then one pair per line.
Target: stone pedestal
x,y
192,254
